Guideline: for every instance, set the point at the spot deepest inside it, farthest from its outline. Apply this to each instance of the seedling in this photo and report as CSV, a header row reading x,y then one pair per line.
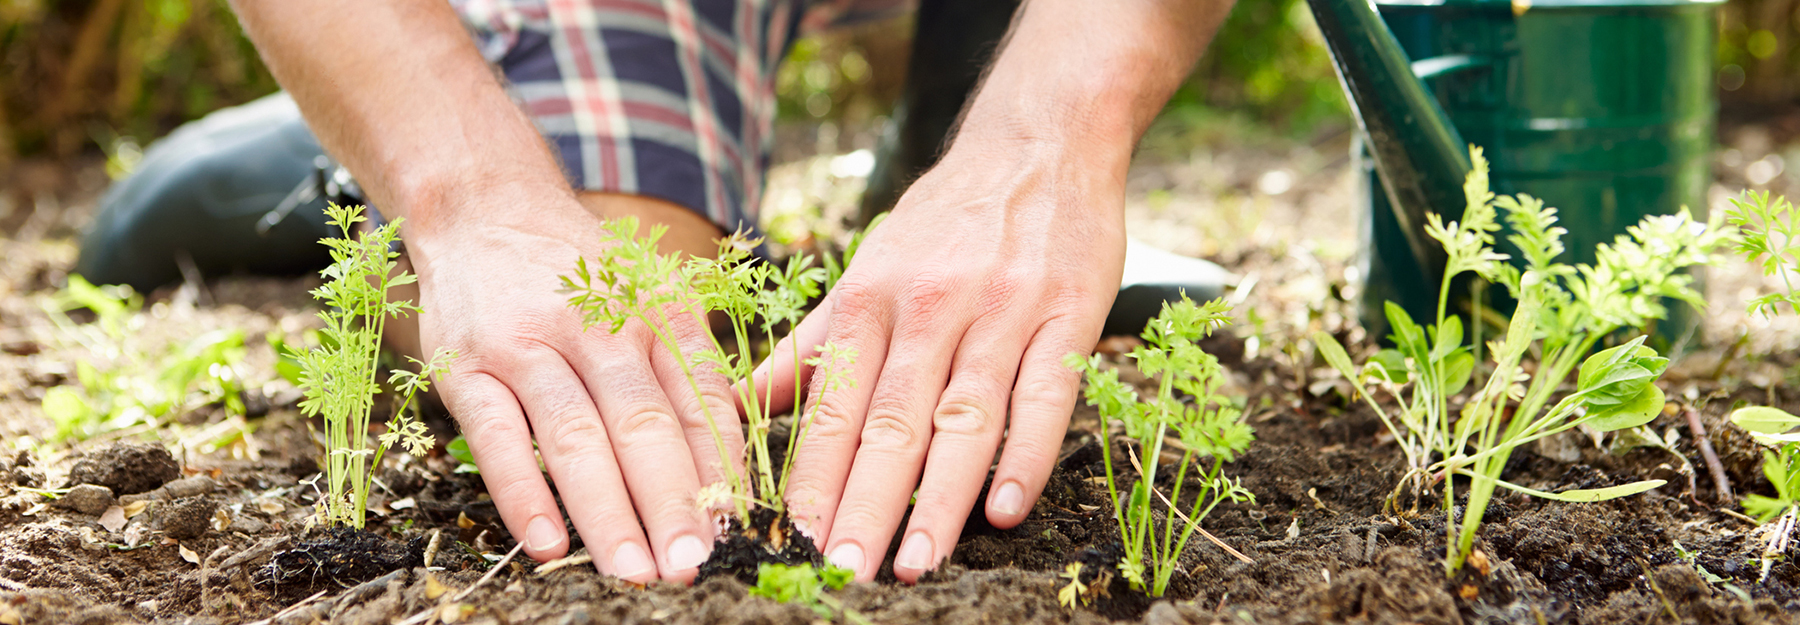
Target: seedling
x,y
125,384
1770,237
338,378
1563,313
806,586
1208,427
1781,464
632,282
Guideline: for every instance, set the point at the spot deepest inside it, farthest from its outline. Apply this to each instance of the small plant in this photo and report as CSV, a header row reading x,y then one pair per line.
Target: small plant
x,y
124,383
1781,464
1771,238
338,378
1563,313
633,282
1208,427
806,586
1075,592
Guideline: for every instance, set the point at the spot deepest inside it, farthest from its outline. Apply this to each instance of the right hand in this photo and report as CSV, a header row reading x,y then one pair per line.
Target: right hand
x,y
619,429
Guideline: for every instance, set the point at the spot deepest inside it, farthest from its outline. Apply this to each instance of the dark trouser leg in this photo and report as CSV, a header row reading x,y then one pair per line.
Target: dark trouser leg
x,y
202,192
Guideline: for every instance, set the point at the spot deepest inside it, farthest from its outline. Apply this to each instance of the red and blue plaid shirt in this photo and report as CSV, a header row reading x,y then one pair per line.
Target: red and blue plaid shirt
x,y
672,99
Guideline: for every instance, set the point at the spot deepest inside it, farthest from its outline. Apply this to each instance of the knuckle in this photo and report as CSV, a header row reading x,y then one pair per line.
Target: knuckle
x,y
889,426
925,294
646,419
576,434
829,419
853,298
1050,387
964,416
512,487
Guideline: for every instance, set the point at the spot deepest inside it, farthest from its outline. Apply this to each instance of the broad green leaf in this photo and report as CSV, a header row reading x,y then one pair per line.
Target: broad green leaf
x,y
1449,337
1764,419
1457,370
1602,362
458,448
1631,413
1333,353
1390,365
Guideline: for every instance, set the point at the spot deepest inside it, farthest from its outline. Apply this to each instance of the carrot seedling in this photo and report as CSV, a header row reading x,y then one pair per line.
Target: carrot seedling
x,y
1770,237
1563,313
1209,427
338,378
633,282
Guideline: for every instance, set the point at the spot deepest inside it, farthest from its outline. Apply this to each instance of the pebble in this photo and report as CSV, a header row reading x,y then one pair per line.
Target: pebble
x,y
87,499
184,519
126,468
248,525
1164,613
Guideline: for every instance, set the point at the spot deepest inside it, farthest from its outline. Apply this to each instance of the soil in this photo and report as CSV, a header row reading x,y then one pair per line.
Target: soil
x,y
224,536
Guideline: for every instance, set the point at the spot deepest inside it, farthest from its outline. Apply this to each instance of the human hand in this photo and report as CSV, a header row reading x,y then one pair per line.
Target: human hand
x,y
620,431
962,305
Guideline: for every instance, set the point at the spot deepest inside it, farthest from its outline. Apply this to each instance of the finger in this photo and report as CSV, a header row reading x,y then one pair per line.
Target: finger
x,y
786,367
833,421
965,432
1042,399
578,453
699,414
652,454
897,427
500,440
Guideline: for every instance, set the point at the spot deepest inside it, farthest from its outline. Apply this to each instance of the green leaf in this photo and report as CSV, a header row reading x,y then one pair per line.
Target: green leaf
x,y
67,407
1764,419
1631,413
1764,508
1333,353
459,449
1458,368
1586,495
1449,337
1389,365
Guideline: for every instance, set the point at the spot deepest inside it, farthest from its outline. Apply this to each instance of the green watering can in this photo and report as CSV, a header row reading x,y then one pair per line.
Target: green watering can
x,y
1603,108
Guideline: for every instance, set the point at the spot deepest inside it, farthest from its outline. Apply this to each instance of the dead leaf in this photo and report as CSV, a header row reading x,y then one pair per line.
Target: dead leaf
x,y
434,588
221,519
136,508
454,612
134,534
270,506
113,519
9,616
463,520
188,554
403,504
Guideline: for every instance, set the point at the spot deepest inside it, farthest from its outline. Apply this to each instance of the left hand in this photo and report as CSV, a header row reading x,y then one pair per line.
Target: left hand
x,y
995,265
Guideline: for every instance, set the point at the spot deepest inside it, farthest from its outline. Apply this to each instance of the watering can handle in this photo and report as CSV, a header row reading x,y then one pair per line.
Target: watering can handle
x,y
1421,157
1427,69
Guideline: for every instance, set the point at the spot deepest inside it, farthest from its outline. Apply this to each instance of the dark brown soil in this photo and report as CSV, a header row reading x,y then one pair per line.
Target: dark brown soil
x,y
126,468
769,539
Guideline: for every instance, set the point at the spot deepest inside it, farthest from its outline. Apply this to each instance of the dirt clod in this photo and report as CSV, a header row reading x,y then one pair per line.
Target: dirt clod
x,y
87,499
127,468
184,519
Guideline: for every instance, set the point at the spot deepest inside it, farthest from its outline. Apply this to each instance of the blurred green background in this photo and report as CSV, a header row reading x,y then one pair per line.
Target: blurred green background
x,y
83,77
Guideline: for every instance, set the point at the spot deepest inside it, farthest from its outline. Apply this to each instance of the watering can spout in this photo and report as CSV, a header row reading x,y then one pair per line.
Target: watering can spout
x,y
1422,159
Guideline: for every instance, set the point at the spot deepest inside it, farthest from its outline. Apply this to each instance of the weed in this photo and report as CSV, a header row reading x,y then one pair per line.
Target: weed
x,y
125,384
1563,313
1771,238
338,378
1075,591
1208,426
633,282
806,586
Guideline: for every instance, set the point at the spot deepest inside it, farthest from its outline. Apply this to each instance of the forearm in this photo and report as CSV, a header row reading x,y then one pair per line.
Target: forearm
x,y
397,92
1081,79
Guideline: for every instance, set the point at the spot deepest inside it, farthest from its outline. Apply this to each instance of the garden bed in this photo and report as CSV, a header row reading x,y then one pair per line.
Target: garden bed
x,y
223,537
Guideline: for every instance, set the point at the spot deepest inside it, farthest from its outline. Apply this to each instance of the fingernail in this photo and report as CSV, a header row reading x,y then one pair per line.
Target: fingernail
x,y
686,552
1010,499
543,534
848,556
630,560
915,553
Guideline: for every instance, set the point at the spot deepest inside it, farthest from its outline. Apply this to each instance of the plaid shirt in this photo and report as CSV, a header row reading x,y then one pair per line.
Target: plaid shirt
x,y
673,99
